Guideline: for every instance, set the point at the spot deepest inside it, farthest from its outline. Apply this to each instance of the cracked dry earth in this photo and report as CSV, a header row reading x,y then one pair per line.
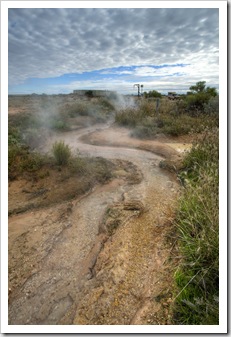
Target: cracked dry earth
x,y
103,258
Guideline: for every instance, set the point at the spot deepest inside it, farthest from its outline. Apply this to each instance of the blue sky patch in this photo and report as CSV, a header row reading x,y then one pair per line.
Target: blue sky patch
x,y
128,74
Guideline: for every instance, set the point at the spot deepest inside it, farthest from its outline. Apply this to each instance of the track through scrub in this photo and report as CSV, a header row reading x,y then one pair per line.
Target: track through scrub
x,y
64,270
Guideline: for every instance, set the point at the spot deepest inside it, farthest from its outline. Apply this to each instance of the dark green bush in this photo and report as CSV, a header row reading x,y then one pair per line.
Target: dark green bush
x,y
196,102
62,152
152,93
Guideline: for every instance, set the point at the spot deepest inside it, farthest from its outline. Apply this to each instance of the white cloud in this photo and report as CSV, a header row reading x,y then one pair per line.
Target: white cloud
x,y
163,71
51,42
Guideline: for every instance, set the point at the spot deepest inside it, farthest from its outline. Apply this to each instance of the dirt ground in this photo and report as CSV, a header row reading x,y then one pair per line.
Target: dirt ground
x,y
103,257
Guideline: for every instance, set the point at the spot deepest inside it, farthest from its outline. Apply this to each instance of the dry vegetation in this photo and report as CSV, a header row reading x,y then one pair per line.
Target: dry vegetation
x,y
197,276
196,222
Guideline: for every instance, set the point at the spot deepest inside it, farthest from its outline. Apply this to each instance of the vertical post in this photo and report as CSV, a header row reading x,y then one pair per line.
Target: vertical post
x,y
138,86
138,90
157,104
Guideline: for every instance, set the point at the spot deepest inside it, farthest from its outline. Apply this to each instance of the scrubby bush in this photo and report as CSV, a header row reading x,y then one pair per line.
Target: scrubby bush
x,y
61,152
107,104
32,162
78,109
13,136
20,160
196,102
98,170
98,109
199,97
152,93
128,117
59,124
197,221
170,125
24,120
169,119
212,107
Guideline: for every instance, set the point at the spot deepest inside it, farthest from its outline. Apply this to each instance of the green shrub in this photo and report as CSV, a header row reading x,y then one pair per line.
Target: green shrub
x,y
24,120
14,137
196,102
152,93
106,104
95,169
212,107
32,162
58,124
78,165
62,152
100,168
21,160
147,108
197,221
81,108
204,156
128,117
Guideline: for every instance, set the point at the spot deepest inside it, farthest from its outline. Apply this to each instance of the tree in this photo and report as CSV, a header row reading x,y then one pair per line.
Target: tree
x,y
199,96
211,91
152,93
199,87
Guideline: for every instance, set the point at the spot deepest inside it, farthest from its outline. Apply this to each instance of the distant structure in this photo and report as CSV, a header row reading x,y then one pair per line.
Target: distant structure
x,y
172,95
94,93
140,87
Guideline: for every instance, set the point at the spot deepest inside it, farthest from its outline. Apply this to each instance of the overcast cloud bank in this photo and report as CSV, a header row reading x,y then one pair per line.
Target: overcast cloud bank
x,y
59,50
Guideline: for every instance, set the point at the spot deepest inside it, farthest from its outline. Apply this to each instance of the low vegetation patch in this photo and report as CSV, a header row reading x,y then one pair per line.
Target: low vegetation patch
x,y
146,123
61,152
155,114
47,179
99,109
22,160
197,222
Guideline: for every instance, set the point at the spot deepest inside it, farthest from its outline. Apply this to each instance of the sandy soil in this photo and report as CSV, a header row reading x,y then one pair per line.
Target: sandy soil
x,y
103,258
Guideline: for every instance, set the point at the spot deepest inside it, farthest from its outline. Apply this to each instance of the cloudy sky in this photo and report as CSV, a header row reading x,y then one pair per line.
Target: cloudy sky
x,y
59,50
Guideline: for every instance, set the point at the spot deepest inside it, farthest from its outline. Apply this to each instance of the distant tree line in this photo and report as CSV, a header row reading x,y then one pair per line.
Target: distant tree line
x,y
152,94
